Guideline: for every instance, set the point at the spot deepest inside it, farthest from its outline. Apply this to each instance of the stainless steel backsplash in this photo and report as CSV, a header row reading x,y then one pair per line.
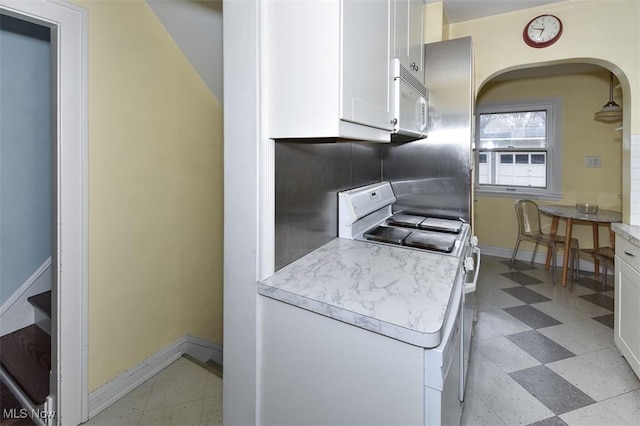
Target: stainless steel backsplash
x,y
308,178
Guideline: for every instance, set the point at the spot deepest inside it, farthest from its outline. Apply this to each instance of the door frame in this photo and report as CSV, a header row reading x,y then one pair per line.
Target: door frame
x,y
69,35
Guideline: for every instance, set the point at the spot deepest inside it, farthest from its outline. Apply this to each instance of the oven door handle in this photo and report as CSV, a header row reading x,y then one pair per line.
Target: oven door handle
x,y
471,287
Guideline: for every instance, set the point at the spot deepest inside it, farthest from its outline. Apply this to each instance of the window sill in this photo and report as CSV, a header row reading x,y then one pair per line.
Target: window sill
x,y
502,193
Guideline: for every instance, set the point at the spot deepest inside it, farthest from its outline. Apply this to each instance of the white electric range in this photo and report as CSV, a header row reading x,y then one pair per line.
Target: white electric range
x,y
366,214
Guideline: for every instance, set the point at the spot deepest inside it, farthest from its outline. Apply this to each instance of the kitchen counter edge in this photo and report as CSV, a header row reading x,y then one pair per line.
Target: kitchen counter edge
x,y
408,297
628,232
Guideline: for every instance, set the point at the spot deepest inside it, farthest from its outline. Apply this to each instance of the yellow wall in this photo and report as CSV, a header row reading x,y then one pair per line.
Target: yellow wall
x,y
498,47
582,95
436,26
155,192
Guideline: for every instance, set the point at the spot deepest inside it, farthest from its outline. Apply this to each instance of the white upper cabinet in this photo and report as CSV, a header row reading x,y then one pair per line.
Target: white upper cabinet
x,y
409,36
328,69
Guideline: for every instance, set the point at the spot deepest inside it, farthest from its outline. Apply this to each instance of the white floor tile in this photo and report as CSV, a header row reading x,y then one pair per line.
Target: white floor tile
x,y
490,300
477,413
506,355
613,364
502,322
212,411
484,330
571,309
213,386
625,406
183,414
591,378
592,415
180,383
558,292
577,338
496,282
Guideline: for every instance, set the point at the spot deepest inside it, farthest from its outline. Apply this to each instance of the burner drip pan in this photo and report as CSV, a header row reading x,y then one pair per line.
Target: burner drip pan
x,y
386,234
443,225
431,241
409,220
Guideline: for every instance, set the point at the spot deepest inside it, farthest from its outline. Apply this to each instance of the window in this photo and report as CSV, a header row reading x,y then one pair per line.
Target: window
x,y
519,148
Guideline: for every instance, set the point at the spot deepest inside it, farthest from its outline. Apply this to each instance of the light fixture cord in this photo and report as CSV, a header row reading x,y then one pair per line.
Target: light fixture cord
x,y
610,86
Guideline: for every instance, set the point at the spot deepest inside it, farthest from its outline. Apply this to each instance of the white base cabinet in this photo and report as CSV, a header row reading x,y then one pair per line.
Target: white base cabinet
x,y
320,371
315,370
627,302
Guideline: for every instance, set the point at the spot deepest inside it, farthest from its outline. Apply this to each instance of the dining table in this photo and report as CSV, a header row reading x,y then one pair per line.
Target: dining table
x,y
571,215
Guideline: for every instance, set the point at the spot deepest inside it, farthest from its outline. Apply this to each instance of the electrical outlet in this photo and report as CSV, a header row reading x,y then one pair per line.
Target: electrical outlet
x,y
592,161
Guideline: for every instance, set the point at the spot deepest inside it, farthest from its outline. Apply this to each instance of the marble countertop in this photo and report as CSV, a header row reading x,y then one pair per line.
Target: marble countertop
x,y
397,292
628,232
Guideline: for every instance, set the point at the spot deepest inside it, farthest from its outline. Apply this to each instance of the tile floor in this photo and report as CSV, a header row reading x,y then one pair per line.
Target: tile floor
x,y
541,356
184,393
544,356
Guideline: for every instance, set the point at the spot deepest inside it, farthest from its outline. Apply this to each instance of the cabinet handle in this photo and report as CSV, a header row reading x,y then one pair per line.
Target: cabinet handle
x,y
628,253
414,66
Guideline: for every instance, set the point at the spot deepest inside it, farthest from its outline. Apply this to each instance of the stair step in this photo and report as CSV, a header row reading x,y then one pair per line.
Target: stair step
x,y
11,409
42,301
25,355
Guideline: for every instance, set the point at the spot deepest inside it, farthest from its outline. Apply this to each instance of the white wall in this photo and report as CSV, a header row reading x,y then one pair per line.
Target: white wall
x,y
25,152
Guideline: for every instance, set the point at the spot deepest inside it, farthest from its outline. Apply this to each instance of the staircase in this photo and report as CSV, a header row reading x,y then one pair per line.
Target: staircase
x,y
25,363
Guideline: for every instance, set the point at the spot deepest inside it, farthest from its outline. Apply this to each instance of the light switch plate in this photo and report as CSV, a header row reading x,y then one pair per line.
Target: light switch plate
x,y
592,161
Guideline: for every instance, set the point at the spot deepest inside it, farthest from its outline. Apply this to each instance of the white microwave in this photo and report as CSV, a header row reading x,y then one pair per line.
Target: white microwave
x,y
410,105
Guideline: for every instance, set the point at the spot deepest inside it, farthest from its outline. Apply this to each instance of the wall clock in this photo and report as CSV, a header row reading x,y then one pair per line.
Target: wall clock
x,y
542,31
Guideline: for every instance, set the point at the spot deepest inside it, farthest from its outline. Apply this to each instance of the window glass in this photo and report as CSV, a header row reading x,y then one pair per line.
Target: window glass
x,y
518,148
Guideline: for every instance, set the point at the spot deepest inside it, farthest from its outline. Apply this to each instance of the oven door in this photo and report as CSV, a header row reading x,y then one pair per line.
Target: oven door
x,y
443,369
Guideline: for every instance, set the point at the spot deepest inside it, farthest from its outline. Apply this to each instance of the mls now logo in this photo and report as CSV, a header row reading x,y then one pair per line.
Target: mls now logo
x,y
23,413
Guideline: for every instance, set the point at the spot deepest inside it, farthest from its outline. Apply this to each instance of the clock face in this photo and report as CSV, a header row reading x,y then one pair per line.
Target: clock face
x,y
542,31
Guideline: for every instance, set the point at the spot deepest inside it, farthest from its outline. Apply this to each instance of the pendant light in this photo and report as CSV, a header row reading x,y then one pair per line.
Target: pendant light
x,y
611,111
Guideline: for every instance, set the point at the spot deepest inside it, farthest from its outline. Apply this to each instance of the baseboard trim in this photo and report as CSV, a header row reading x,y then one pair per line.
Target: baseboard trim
x,y
112,391
541,256
201,349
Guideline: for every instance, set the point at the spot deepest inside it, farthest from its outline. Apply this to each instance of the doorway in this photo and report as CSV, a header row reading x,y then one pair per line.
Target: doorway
x,y
26,210
68,27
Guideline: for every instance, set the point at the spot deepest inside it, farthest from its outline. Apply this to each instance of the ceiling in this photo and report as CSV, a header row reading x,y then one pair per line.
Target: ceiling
x,y
464,10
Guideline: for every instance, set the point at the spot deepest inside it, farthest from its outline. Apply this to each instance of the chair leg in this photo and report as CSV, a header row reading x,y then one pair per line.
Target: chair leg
x,y
553,263
515,250
535,250
574,275
604,274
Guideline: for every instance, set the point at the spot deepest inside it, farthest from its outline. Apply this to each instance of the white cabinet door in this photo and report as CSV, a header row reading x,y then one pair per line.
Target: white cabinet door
x,y
366,63
627,312
315,370
328,69
409,36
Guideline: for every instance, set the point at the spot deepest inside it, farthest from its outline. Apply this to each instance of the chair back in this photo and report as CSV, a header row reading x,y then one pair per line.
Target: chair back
x,y
528,218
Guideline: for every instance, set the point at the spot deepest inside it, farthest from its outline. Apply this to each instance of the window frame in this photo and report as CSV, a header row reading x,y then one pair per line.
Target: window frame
x,y
554,111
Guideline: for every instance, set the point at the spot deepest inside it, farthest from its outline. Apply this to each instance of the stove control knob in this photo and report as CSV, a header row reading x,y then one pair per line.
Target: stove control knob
x,y
469,264
473,240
